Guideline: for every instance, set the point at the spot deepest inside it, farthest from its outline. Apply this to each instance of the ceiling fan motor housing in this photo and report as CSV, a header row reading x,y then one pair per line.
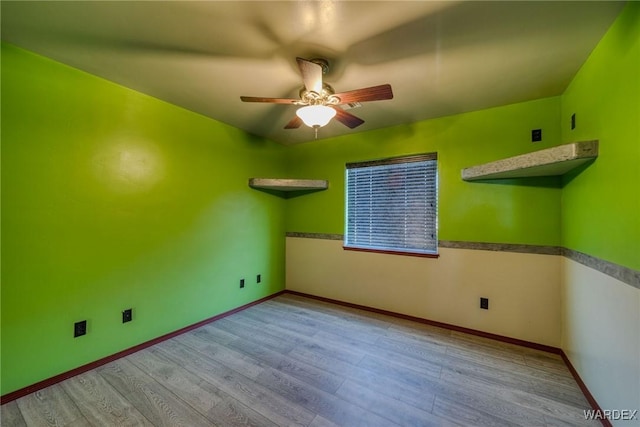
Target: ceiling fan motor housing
x,y
309,97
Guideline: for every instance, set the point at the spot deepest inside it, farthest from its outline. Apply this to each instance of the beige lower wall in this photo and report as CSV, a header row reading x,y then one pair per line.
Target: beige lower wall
x,y
601,335
523,289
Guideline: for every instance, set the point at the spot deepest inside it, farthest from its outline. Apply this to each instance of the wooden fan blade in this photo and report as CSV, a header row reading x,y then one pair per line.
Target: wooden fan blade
x,y
311,75
374,93
347,119
294,123
270,100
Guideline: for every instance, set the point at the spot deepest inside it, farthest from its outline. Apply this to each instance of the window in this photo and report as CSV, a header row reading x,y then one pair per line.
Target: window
x,y
392,205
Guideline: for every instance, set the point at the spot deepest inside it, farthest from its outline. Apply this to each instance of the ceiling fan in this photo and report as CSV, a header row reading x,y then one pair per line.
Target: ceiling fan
x,y
319,102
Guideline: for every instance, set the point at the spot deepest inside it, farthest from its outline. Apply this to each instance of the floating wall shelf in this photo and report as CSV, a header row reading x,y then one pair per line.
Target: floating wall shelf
x,y
549,162
286,186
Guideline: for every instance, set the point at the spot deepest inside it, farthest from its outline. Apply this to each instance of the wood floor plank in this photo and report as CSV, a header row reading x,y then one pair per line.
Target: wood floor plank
x,y
286,320
320,378
333,350
261,399
559,393
352,343
462,338
155,402
408,344
319,421
239,362
242,330
50,407
364,317
554,422
281,330
460,413
421,358
326,358
421,332
340,323
544,406
319,402
388,407
515,380
400,372
385,386
214,334
219,407
487,354
100,404
498,401
488,359
459,393
292,313
10,415
263,356
548,362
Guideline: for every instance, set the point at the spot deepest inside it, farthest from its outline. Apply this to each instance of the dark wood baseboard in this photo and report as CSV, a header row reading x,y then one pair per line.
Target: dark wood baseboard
x,y
583,387
95,364
522,343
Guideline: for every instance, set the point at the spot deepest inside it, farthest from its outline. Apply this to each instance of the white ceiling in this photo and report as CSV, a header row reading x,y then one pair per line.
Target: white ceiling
x,y
441,58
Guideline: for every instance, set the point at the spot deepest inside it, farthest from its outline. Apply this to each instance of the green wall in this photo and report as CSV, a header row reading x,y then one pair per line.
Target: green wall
x,y
503,211
601,205
111,200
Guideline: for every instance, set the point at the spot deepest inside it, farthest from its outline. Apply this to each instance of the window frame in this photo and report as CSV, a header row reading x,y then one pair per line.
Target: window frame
x,y
384,162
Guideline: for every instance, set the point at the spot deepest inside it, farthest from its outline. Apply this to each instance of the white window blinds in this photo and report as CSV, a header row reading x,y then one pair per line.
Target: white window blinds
x,y
392,204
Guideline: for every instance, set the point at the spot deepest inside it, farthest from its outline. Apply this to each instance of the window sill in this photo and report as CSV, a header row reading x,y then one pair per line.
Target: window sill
x,y
390,252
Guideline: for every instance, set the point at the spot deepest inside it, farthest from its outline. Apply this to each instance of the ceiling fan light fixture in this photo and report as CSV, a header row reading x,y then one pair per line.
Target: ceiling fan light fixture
x,y
316,116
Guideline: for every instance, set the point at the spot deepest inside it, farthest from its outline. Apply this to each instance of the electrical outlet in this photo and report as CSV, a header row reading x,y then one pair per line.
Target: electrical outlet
x,y
484,303
127,315
241,283
79,328
536,135
258,278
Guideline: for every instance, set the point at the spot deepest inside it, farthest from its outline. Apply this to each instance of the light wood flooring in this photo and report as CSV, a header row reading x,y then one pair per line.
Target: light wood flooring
x,y
294,361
